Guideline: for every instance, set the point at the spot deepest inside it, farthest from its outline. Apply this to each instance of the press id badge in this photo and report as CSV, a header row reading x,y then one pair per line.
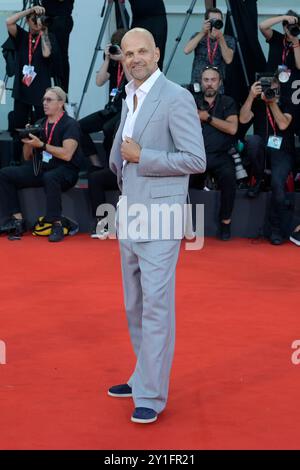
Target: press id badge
x,y
46,157
28,75
274,142
114,92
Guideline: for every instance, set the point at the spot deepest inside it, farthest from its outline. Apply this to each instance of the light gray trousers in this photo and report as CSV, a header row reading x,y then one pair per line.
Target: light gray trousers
x,y
148,270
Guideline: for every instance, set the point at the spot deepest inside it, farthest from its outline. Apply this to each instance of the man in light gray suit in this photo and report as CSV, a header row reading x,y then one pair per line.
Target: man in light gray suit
x,y
158,144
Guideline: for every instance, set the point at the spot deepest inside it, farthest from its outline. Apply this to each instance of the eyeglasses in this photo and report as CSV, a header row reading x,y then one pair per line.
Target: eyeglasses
x,y
48,100
211,67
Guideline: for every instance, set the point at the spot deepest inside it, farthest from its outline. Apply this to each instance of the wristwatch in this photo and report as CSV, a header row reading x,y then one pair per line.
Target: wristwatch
x,y
209,119
44,147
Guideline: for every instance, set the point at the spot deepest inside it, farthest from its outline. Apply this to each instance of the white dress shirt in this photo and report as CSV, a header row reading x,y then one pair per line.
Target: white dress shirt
x,y
141,93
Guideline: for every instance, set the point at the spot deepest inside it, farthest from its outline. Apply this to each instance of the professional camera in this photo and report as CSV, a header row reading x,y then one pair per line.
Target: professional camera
x,y
266,80
114,49
215,23
240,172
45,20
36,130
294,29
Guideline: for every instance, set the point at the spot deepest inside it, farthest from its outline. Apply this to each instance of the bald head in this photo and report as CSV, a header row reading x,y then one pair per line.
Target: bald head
x,y
139,32
141,54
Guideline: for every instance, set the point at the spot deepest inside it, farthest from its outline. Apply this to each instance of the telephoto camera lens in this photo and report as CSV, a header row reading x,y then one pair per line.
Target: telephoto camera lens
x,y
215,23
240,172
114,49
270,93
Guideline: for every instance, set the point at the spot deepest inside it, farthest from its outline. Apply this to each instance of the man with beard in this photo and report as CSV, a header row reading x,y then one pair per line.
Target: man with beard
x,y
219,118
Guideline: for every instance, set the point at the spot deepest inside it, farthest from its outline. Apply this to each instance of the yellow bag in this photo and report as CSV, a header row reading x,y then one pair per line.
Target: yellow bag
x,y
43,229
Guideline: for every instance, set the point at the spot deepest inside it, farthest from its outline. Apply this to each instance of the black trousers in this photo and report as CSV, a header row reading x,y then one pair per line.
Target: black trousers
x,y
255,156
281,164
94,123
222,168
91,123
158,26
98,182
62,27
53,181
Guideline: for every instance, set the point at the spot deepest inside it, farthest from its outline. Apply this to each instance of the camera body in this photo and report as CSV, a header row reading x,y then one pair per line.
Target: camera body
x,y
266,80
216,23
45,20
114,49
294,29
36,130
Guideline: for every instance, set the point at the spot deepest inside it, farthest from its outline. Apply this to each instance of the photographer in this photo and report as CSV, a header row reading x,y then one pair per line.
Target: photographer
x,y
284,49
272,142
210,46
52,160
107,118
219,119
36,52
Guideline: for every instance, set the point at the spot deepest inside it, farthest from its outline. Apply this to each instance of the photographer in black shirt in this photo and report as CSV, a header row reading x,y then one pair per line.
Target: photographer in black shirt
x,y
284,48
52,160
219,119
272,143
36,54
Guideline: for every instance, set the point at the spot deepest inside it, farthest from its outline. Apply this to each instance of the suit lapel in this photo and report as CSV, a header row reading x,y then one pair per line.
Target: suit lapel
x,y
149,105
123,114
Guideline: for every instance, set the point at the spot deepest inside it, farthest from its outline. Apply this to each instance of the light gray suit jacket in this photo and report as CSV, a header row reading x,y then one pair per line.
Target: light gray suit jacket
x,y
169,133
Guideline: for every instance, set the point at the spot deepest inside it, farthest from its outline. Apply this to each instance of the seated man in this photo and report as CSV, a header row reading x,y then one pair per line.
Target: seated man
x,y
219,119
273,141
51,161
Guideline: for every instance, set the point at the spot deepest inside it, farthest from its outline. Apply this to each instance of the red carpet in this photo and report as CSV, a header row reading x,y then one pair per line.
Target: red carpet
x,y
233,383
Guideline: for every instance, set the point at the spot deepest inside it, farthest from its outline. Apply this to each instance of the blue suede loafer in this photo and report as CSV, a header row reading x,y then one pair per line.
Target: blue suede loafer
x,y
121,391
144,415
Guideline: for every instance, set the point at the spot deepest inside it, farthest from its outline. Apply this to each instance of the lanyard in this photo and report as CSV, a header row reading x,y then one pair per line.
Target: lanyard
x,y
52,130
120,74
211,54
30,51
271,120
286,51
211,106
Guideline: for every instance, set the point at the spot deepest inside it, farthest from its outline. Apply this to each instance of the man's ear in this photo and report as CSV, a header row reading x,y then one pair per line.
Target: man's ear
x,y
157,54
